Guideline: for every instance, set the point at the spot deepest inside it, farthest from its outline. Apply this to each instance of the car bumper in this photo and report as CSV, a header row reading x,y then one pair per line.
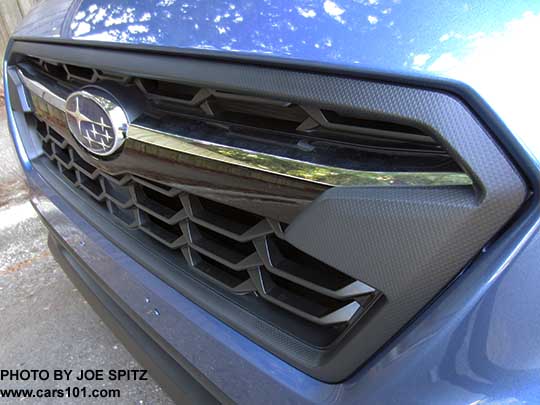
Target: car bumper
x,y
177,381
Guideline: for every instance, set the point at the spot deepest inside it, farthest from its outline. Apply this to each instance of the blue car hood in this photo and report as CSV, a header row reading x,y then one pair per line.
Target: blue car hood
x,y
490,45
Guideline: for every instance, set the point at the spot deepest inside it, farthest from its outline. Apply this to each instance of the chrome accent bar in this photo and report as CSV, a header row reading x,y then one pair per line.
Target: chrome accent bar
x,y
263,162
307,171
40,90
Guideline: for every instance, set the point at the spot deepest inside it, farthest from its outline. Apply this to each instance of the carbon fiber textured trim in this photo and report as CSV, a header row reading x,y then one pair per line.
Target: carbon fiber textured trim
x,y
407,243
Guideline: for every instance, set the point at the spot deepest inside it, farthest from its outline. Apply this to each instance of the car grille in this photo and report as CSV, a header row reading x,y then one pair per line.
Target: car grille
x,y
243,251
240,251
314,211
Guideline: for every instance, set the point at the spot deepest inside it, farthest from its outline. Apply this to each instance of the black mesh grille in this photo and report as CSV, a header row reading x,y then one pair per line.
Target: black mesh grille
x,y
237,250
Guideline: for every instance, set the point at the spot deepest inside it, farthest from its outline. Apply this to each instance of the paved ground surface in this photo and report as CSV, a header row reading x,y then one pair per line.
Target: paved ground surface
x,y
44,322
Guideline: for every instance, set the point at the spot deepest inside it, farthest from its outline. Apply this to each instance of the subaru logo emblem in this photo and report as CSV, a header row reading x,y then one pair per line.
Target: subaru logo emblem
x,y
97,122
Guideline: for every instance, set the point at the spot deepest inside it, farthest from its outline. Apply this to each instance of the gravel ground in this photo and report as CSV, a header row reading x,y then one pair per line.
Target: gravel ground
x,y
44,322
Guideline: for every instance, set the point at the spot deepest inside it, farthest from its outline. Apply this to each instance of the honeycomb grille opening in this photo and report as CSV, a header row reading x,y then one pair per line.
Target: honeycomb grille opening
x,y
304,299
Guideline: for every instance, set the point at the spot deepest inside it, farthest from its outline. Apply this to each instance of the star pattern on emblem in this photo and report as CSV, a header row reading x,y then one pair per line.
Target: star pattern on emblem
x,y
90,123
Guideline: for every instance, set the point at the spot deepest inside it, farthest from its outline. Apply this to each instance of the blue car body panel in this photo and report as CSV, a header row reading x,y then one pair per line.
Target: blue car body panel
x,y
479,341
